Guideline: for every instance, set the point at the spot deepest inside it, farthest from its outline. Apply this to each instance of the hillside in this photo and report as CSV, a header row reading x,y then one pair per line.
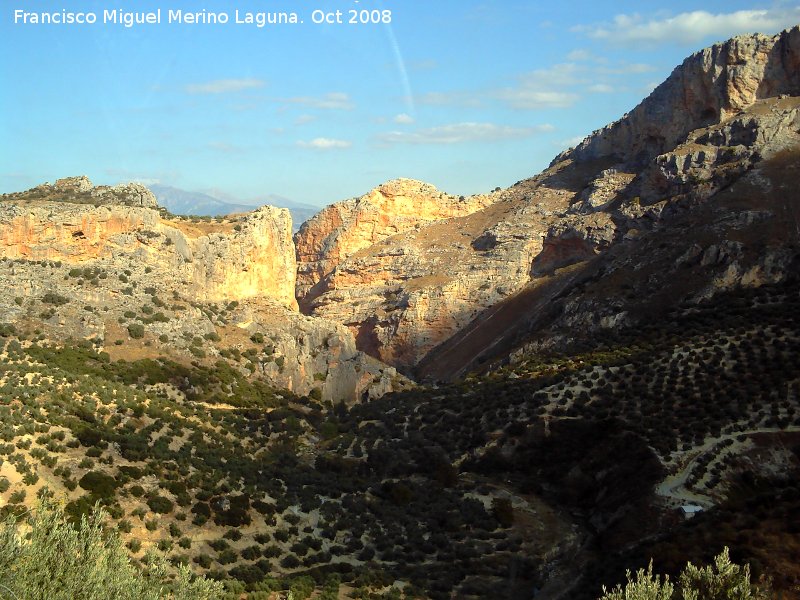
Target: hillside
x,y
597,350
88,265
703,205
444,488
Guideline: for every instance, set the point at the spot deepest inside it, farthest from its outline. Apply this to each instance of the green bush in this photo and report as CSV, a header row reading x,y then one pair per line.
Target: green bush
x,y
99,484
54,299
59,561
724,581
160,504
136,330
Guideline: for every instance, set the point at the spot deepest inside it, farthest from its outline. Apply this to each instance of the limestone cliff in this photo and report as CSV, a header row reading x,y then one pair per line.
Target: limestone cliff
x,y
342,229
720,118
709,87
232,259
77,264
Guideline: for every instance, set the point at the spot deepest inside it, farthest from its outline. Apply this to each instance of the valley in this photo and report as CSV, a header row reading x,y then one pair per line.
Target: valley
x,y
515,394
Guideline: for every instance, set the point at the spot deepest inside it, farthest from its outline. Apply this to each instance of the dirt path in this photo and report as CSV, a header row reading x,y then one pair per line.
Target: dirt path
x,y
673,486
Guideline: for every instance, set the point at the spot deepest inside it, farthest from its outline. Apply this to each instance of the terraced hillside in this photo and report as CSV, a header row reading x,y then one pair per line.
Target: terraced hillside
x,y
451,490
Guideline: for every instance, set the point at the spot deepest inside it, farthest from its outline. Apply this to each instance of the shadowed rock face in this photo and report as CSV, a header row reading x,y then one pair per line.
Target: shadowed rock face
x,y
718,117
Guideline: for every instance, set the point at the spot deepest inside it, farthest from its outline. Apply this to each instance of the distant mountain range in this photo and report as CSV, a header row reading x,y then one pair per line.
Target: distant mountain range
x,y
183,202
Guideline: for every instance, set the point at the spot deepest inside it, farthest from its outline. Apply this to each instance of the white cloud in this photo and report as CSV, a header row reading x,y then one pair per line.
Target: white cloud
x,y
562,74
627,69
459,133
691,27
329,101
531,99
601,88
545,88
303,119
579,55
224,86
322,143
404,119
464,99
558,86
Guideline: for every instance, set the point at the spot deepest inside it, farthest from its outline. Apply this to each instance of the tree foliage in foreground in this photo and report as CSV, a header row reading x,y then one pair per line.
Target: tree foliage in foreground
x,y
724,581
47,558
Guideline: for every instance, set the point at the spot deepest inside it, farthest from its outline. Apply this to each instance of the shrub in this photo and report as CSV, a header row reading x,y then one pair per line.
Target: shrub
x,y
136,330
61,561
204,560
54,299
160,504
290,561
724,581
99,484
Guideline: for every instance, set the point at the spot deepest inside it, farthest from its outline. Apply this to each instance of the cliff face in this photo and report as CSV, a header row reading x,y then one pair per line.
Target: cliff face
x,y
406,294
722,115
201,288
254,257
708,88
696,194
342,229
229,261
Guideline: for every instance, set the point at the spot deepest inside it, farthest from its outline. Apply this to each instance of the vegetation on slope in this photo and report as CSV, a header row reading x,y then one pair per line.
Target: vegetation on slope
x,y
450,489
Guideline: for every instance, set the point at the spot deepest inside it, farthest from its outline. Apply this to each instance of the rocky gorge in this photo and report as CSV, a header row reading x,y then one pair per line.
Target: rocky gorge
x,y
508,394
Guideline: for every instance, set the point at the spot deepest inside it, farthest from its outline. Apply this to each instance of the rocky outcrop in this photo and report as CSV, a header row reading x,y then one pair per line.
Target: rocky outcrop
x,y
709,87
342,229
228,260
253,257
80,190
201,289
405,295
711,158
307,353
573,240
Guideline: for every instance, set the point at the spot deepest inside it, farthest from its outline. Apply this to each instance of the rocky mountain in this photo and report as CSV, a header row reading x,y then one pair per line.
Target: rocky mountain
x,y
689,159
601,350
344,228
114,251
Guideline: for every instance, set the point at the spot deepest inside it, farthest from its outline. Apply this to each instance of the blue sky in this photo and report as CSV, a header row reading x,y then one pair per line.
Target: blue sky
x,y
465,94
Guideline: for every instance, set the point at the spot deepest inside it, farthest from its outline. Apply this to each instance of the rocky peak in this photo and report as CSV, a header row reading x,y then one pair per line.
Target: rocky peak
x,y
706,89
73,184
80,190
128,194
